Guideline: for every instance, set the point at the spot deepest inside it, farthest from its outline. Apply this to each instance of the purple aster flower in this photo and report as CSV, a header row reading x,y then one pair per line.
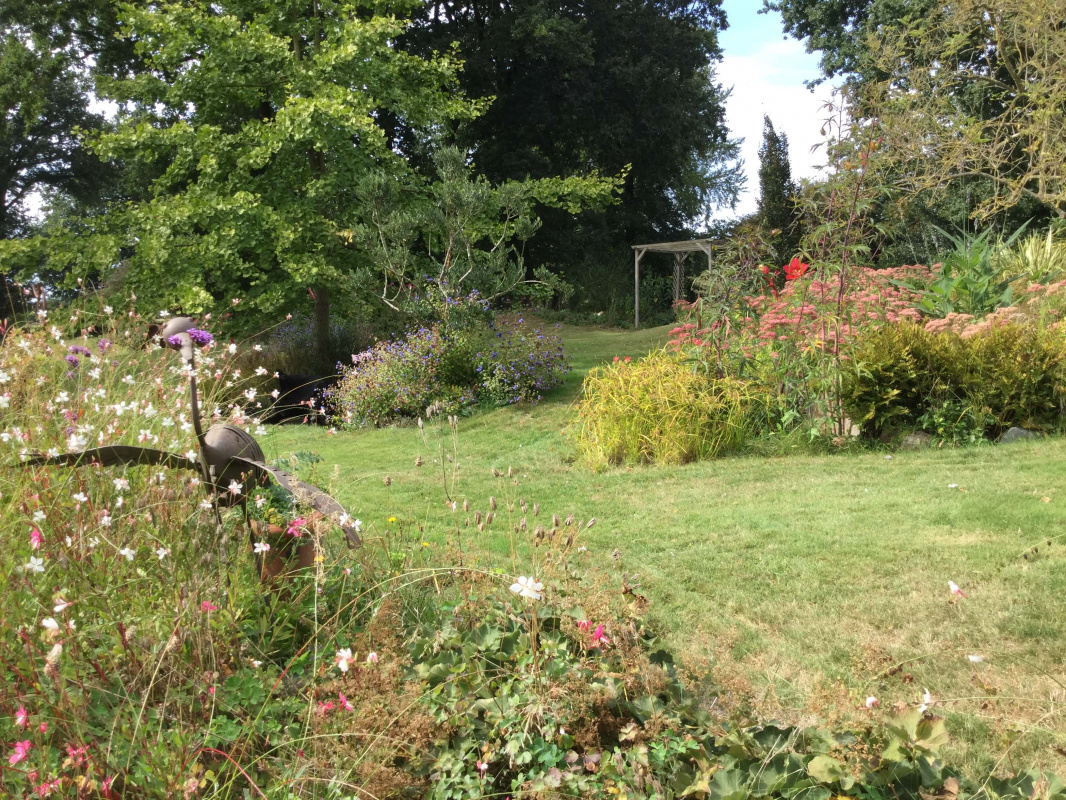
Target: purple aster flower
x,y
77,349
175,340
200,338
104,345
72,360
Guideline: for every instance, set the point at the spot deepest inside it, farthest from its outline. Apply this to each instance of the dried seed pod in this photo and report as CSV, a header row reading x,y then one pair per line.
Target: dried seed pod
x,y
488,518
569,520
617,554
477,517
515,481
420,423
481,527
536,509
590,523
510,472
492,503
538,532
418,461
468,522
570,539
388,481
555,520
466,505
522,524
495,472
510,508
551,534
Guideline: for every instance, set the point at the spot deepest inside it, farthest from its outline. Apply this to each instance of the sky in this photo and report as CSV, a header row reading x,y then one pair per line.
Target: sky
x,y
767,72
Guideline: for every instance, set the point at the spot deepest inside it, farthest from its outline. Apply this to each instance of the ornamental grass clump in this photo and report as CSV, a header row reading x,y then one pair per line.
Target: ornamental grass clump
x,y
659,410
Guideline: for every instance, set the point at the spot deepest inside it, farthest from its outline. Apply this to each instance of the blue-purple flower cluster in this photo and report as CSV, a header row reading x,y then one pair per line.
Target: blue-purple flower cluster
x,y
501,364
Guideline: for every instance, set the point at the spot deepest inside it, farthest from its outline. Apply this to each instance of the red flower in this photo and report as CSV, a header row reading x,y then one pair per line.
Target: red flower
x,y
764,269
795,269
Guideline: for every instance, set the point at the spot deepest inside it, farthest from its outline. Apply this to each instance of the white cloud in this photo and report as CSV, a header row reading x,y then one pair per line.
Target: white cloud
x,y
769,80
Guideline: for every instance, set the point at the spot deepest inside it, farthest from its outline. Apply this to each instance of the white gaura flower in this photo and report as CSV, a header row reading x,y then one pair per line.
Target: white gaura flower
x,y
260,371
79,497
61,605
955,590
121,484
235,488
249,394
343,658
38,516
260,501
927,700
191,455
975,659
232,349
49,623
261,547
34,565
128,552
528,587
872,702
162,552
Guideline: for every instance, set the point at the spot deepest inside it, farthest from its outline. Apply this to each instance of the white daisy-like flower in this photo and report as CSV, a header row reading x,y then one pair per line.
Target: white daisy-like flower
x,y
191,455
108,310
128,553
232,349
34,565
528,587
343,657
261,547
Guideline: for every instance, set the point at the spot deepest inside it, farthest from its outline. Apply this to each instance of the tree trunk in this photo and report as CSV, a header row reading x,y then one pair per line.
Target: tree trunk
x,y
322,350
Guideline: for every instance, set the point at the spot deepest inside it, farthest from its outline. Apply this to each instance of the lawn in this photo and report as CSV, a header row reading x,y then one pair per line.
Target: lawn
x,y
803,583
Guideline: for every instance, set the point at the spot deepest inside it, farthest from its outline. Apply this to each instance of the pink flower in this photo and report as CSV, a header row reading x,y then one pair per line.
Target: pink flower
x,y
35,539
372,658
344,702
22,717
325,708
44,727
20,752
78,755
482,767
955,590
598,638
584,625
296,526
872,702
207,605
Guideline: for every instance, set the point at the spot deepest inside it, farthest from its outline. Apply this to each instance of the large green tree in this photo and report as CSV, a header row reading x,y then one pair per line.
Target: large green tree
x,y
777,192
582,84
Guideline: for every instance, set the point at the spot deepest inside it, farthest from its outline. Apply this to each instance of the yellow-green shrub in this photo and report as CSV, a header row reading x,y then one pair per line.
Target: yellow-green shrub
x,y
1013,374
659,410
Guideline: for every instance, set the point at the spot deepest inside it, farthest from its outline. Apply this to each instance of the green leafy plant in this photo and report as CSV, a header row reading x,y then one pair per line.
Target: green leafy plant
x,y
971,279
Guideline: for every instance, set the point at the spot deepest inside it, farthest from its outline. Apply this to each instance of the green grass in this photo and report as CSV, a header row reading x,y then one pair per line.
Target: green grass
x,y
800,581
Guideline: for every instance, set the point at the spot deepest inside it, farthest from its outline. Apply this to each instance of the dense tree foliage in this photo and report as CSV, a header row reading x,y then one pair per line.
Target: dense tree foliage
x,y
587,84
777,192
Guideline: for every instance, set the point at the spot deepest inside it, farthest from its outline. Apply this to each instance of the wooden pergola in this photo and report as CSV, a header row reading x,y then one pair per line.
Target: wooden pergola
x,y
680,251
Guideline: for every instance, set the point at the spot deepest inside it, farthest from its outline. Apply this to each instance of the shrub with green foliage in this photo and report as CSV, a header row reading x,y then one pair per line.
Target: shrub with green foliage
x,y
1007,374
456,365
660,410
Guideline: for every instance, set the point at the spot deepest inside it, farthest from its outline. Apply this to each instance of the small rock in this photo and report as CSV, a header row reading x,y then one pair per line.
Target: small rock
x,y
919,440
1014,434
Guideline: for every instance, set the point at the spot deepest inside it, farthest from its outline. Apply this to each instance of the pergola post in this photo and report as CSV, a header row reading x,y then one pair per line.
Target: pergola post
x,y
637,255
679,266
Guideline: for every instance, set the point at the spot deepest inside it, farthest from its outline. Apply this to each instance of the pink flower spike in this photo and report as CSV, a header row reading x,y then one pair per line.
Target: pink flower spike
x,y
20,752
206,605
36,539
344,702
22,717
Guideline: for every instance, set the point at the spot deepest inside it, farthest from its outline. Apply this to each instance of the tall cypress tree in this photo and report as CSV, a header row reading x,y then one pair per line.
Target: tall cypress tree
x,y
777,192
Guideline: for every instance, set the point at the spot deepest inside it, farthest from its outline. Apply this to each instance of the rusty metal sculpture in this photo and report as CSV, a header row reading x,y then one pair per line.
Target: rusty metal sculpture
x,y
230,458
